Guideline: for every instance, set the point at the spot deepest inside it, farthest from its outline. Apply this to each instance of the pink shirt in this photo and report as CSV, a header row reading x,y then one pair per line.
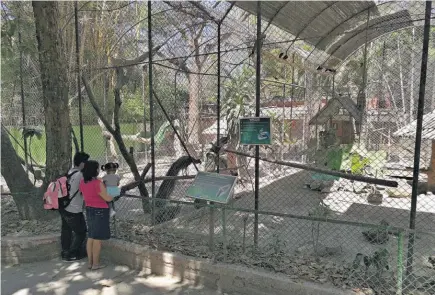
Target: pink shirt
x,y
91,194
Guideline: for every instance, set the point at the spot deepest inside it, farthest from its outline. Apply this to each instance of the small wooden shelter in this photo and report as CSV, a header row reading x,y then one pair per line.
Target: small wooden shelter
x,y
427,133
338,114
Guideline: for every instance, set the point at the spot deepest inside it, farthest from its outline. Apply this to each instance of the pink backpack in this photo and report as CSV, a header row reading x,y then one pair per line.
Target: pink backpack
x,y
57,194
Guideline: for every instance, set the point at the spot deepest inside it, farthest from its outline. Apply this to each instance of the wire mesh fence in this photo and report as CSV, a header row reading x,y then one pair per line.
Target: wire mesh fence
x,y
342,95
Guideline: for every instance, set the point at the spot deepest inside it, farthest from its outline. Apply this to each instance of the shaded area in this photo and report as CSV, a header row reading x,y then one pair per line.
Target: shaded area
x,y
56,277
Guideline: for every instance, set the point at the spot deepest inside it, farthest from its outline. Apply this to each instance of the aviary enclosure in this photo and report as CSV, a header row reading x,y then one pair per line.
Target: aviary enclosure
x,y
344,195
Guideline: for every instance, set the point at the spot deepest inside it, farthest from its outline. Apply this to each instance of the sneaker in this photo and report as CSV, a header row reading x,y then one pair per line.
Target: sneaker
x,y
74,258
64,255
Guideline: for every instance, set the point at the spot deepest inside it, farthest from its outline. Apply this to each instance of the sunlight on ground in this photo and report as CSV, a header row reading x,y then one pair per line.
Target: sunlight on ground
x,y
59,278
22,292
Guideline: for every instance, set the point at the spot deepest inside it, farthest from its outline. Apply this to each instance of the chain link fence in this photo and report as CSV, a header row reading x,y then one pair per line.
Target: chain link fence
x,y
342,96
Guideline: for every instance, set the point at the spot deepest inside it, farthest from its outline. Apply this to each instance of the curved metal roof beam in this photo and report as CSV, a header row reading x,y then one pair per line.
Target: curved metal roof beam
x,y
227,12
343,62
273,17
368,28
340,24
309,23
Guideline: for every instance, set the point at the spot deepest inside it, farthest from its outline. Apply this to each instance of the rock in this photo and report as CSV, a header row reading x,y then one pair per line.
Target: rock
x,y
378,235
22,233
316,185
403,190
368,291
359,187
375,197
345,185
330,186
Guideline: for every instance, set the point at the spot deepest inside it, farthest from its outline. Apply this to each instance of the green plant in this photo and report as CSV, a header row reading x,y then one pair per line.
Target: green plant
x,y
358,163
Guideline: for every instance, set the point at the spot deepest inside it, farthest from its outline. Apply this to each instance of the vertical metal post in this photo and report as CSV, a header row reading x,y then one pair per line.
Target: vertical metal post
x,y
105,113
224,232
283,123
218,133
144,112
23,109
79,87
399,279
257,114
420,110
362,103
292,96
151,101
212,210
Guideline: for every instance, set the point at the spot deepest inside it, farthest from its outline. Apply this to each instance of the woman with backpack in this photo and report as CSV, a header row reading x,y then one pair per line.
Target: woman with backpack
x,y
97,212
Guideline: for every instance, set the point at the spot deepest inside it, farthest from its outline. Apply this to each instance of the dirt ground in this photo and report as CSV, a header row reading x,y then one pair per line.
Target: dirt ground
x,y
284,244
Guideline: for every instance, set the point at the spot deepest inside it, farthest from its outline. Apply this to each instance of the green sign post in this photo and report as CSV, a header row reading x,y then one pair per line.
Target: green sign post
x,y
212,187
255,131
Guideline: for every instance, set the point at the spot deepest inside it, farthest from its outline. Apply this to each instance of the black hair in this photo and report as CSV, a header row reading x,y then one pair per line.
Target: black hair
x,y
90,171
80,157
110,166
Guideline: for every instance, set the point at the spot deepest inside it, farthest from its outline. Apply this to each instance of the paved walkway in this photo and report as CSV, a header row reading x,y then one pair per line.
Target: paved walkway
x,y
62,278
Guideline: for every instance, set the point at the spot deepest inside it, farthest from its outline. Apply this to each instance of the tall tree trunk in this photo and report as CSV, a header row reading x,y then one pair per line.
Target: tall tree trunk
x,y
54,87
411,91
194,96
402,88
110,144
27,198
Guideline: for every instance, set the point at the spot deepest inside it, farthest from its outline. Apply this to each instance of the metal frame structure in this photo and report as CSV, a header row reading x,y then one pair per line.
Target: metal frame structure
x,y
259,13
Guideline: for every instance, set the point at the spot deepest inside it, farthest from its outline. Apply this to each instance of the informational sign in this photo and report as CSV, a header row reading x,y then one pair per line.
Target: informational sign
x,y
255,131
212,187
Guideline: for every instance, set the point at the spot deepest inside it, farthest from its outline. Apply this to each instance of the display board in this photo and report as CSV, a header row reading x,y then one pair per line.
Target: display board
x,y
255,131
212,187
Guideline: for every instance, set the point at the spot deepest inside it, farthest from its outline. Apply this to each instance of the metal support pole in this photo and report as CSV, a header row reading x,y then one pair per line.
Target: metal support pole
x,y
292,96
79,88
420,110
151,101
362,99
257,114
23,109
224,233
399,272
144,112
165,113
218,134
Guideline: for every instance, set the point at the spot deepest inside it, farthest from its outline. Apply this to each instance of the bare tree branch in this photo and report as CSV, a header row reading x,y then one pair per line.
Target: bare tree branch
x,y
95,106
178,6
178,62
203,10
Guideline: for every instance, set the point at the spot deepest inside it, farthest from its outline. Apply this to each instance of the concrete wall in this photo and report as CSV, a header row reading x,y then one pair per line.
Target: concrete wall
x,y
224,277
17,250
219,276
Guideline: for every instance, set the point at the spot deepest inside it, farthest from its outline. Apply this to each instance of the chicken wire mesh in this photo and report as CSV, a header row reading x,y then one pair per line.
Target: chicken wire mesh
x,y
340,98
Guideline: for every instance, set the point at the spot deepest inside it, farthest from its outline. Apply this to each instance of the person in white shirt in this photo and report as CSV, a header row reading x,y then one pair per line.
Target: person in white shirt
x,y
73,232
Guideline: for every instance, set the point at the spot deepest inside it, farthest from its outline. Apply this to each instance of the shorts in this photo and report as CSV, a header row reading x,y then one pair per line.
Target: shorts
x,y
113,191
98,223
